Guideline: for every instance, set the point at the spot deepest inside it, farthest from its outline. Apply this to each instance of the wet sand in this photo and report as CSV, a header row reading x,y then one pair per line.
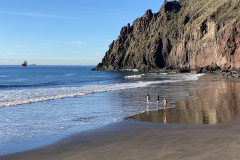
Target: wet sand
x,y
144,140
217,106
216,103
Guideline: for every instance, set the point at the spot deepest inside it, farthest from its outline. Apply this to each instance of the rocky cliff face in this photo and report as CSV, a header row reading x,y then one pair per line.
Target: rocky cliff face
x,y
184,34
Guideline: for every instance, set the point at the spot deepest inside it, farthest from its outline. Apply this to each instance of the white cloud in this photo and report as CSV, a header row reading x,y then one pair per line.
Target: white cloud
x,y
32,14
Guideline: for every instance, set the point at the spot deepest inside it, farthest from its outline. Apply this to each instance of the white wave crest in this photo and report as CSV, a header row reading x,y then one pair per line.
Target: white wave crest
x,y
131,70
17,97
145,75
134,76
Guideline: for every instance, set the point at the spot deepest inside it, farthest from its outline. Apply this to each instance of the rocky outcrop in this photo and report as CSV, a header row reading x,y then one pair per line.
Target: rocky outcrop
x,y
184,34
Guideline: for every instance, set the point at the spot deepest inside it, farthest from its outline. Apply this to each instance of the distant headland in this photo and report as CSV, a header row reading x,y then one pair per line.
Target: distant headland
x,y
184,35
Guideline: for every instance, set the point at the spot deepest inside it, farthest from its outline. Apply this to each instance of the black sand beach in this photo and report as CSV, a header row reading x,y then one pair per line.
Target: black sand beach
x,y
206,127
136,140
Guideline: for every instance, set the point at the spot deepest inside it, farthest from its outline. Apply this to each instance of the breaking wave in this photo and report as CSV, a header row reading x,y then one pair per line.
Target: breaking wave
x,y
134,76
17,97
160,75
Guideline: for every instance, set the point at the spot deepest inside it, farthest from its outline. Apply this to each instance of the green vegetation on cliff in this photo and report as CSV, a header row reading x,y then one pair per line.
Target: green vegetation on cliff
x,y
184,34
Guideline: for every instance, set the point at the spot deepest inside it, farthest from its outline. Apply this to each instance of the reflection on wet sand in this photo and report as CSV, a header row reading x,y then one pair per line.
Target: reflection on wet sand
x,y
164,115
215,104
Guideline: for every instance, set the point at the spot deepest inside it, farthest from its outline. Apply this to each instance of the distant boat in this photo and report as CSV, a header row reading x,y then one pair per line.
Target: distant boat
x,y
24,64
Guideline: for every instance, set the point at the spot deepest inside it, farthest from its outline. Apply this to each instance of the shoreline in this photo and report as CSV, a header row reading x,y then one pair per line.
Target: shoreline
x,y
212,104
143,140
146,140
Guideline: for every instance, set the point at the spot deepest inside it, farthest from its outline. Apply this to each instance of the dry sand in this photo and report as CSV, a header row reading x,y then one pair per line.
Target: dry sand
x,y
133,140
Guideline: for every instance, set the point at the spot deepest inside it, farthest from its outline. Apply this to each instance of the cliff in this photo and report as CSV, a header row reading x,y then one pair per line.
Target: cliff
x,y
184,34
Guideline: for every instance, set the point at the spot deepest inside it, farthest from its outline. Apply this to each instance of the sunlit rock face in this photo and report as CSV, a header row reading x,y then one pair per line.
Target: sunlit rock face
x,y
184,34
217,103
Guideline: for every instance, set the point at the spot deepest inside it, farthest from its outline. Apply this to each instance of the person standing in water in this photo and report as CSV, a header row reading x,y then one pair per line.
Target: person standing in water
x,y
165,103
148,99
158,102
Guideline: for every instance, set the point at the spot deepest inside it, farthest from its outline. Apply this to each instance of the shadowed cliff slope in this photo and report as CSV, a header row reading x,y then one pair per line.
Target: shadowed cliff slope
x,y
184,34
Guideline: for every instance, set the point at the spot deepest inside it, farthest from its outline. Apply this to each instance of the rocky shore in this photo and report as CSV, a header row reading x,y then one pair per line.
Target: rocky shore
x,y
231,74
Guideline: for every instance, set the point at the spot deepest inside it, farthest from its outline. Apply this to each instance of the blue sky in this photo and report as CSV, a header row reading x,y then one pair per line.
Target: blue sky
x,y
64,32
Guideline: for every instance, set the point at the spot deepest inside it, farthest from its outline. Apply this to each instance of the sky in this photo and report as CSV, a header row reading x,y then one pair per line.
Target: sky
x,y
64,32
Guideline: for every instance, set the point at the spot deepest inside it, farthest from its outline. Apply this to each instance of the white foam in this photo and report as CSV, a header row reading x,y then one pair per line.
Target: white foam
x,y
131,70
134,76
17,97
135,70
146,75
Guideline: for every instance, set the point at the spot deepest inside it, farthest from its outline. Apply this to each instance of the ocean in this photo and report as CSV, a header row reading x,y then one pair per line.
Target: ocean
x,y
40,105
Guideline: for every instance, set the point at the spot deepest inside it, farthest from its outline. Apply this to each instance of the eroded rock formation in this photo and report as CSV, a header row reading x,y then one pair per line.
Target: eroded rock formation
x,y
184,34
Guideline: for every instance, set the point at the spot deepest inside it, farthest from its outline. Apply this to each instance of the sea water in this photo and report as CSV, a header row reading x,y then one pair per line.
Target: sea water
x,y
42,104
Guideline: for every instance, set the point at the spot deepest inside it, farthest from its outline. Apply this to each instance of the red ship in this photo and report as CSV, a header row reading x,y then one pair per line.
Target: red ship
x,y
24,64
